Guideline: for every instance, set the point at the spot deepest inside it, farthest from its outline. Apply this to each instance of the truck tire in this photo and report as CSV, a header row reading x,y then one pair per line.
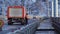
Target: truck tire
x,y
22,23
9,21
25,21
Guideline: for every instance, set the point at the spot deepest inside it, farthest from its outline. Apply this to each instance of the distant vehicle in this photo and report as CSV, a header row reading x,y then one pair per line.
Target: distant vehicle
x,y
17,15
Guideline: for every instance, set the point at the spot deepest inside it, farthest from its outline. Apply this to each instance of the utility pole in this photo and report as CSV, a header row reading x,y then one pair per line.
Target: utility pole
x,y
52,9
55,8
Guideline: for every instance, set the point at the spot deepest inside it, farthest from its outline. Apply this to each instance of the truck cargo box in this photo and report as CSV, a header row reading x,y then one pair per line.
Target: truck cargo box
x,y
16,14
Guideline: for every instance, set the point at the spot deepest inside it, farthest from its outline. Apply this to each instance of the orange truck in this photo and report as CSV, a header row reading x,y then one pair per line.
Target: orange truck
x,y
16,15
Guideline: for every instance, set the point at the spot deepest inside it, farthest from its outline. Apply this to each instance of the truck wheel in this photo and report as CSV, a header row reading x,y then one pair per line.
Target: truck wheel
x,y
22,23
25,21
9,21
